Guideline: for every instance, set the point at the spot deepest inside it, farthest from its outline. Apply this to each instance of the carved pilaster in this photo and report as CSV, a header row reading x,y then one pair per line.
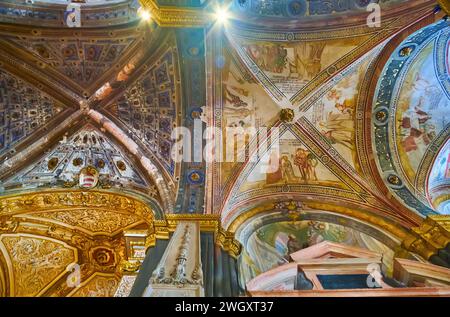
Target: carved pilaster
x,y
175,16
179,272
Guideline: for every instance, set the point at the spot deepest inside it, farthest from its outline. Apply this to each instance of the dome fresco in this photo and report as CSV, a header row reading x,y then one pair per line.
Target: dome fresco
x,y
411,112
224,148
439,181
423,109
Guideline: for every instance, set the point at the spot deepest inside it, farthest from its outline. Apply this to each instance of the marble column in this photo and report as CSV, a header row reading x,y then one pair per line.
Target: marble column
x,y
179,272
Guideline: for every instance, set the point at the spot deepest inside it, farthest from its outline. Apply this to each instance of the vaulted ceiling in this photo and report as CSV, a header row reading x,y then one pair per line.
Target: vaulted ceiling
x,y
109,94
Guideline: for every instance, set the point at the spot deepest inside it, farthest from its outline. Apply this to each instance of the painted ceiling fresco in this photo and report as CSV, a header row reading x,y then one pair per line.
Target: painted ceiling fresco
x,y
412,113
295,164
271,245
109,99
288,67
296,72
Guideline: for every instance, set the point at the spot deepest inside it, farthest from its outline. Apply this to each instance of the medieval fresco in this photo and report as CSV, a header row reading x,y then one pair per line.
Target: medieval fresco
x,y
291,163
290,66
333,115
271,245
245,104
422,111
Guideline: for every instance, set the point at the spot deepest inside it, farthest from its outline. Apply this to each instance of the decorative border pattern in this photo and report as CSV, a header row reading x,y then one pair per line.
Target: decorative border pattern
x,y
384,111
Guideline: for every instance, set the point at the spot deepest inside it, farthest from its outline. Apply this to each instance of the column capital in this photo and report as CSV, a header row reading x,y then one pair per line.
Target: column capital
x,y
431,236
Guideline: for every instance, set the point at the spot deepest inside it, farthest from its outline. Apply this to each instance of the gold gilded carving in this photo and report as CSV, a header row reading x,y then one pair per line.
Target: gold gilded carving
x,y
432,235
176,16
62,199
34,262
98,285
7,225
130,266
93,220
286,115
208,223
226,241
103,257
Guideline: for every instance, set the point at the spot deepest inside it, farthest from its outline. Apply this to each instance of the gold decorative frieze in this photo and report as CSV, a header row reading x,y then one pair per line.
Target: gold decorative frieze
x,y
176,16
208,223
63,199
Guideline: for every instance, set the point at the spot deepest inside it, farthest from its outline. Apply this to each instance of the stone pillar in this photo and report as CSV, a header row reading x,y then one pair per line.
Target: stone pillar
x,y
432,240
179,272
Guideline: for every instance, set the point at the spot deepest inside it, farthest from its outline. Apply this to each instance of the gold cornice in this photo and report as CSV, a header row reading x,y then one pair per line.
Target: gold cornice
x,y
208,223
176,16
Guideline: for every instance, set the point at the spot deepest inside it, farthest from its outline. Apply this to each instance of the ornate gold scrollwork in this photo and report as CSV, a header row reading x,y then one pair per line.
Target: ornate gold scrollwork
x,y
226,241
176,16
432,235
64,199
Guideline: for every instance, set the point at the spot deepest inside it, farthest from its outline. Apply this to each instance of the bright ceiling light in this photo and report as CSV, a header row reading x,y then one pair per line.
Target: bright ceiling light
x,y
144,14
222,15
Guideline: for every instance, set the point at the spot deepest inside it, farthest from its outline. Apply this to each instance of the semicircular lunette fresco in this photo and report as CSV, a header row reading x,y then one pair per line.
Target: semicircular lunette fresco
x,y
438,189
270,245
411,113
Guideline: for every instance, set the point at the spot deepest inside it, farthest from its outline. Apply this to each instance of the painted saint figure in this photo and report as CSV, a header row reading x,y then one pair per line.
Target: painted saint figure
x,y
338,129
306,163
